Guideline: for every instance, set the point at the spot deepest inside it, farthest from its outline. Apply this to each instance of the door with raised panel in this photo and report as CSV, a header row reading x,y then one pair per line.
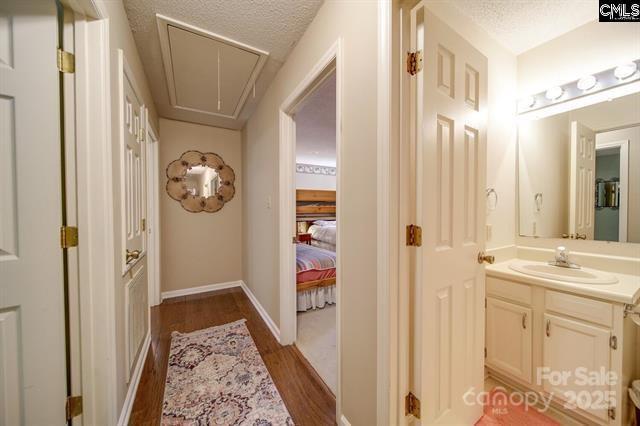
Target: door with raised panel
x,y
582,176
570,344
134,202
449,107
508,338
32,317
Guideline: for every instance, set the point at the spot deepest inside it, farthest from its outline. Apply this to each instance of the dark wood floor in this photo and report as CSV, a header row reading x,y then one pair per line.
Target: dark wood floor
x,y
307,398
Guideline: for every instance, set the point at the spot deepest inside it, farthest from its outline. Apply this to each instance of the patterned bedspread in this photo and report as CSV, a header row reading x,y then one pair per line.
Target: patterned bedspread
x,y
313,258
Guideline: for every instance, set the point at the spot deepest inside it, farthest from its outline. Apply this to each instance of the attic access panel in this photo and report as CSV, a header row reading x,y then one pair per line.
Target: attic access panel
x,y
206,72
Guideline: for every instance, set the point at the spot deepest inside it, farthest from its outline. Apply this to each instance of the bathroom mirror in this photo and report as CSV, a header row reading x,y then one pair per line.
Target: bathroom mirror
x,y
200,182
579,172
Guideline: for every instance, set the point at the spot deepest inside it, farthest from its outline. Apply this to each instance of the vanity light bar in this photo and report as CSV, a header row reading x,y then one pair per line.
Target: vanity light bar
x,y
620,75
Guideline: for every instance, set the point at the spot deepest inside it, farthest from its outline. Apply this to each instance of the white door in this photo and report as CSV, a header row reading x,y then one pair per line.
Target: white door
x,y
568,344
582,185
134,172
450,154
508,338
32,320
133,192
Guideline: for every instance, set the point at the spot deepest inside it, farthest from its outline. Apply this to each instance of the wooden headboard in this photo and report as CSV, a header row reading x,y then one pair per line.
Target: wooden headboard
x,y
315,202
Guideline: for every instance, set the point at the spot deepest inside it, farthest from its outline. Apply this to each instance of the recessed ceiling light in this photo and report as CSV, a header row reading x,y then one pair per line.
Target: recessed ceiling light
x,y
554,93
625,70
587,82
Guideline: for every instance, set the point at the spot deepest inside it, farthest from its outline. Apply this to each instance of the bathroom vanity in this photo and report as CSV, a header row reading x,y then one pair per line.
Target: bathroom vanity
x,y
543,322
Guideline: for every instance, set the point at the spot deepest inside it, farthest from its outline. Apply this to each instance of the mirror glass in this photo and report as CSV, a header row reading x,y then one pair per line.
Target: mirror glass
x,y
579,172
200,182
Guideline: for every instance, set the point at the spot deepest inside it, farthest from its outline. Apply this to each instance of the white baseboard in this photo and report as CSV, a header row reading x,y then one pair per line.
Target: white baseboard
x,y
344,421
125,413
212,287
200,289
263,313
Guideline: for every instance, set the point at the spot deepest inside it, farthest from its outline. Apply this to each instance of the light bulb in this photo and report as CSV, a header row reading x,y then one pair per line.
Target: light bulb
x,y
554,93
587,82
625,70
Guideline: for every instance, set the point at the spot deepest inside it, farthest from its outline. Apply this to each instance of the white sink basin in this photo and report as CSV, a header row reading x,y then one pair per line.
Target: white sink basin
x,y
581,276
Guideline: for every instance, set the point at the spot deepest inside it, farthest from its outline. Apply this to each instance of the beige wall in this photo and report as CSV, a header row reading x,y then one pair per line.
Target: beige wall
x,y
199,248
355,22
544,168
120,37
591,48
501,125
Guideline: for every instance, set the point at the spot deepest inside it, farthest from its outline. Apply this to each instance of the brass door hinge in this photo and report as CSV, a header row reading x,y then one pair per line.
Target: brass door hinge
x,y
611,412
412,405
414,62
414,235
74,406
613,342
68,236
66,62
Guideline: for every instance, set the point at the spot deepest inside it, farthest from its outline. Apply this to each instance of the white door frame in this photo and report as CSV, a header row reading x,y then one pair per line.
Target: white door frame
x,y
94,216
153,215
624,182
330,62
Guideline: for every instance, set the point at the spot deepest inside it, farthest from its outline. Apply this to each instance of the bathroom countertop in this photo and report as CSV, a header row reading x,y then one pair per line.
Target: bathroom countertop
x,y
626,290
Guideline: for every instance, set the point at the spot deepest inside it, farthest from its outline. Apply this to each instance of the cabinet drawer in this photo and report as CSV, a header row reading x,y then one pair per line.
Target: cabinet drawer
x,y
509,290
580,307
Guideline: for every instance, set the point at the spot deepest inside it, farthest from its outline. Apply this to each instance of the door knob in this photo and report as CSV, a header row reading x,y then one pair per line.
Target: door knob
x,y
133,254
484,258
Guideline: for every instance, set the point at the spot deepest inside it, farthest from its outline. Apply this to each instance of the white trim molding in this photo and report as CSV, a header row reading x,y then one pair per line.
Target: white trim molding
x,y
331,61
623,145
262,311
200,289
344,421
135,381
230,284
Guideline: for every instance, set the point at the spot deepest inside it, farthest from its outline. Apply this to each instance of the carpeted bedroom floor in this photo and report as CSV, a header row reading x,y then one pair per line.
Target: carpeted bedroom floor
x,y
317,342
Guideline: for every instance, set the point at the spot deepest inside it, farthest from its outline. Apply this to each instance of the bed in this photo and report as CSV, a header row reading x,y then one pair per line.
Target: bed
x,y
316,215
323,234
315,277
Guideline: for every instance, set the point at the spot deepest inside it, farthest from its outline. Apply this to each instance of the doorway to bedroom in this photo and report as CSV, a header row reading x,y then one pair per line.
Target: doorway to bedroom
x,y
316,229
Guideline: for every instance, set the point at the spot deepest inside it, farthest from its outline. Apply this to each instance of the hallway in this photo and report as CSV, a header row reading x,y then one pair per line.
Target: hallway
x,y
307,398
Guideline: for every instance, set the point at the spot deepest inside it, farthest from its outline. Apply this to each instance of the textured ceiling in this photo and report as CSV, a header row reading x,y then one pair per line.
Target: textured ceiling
x,y
316,126
523,24
271,25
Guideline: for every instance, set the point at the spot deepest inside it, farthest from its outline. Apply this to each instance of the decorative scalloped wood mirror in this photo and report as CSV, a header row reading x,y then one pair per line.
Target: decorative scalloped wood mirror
x,y
200,182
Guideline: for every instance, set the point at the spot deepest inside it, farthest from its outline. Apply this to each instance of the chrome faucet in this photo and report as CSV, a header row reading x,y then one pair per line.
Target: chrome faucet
x,y
562,259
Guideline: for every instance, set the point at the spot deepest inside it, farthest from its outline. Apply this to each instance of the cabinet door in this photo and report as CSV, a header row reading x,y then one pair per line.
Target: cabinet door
x,y
577,351
509,338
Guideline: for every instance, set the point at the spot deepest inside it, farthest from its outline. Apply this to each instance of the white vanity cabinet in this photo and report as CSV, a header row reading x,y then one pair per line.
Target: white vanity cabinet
x,y
569,344
508,338
534,334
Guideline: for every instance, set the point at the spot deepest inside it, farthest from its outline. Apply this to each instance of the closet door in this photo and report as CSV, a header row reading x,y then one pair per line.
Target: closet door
x,y
449,111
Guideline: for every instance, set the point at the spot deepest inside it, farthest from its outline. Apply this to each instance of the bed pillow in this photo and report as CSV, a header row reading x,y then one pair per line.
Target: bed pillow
x,y
325,222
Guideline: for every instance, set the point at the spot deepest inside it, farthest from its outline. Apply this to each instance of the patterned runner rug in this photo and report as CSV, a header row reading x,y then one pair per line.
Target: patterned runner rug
x,y
217,377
